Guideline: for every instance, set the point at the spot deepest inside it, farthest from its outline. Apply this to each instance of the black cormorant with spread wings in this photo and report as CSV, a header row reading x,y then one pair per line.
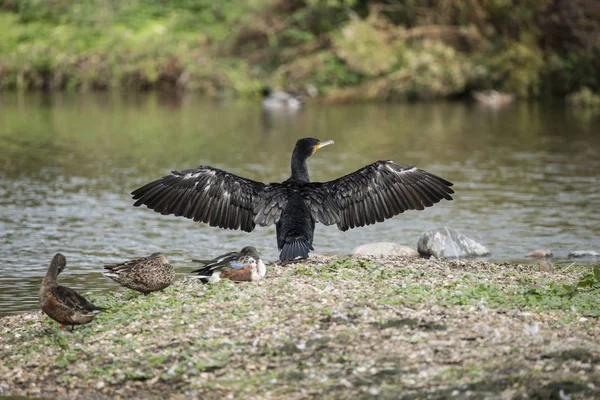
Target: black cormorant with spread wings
x,y
372,194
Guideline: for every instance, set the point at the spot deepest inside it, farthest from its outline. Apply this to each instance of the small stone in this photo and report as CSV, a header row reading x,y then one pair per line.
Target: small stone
x,y
584,254
100,385
533,329
563,396
540,254
345,382
373,391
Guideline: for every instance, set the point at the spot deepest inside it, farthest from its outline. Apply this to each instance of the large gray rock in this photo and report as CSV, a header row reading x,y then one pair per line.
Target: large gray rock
x,y
584,254
384,249
446,242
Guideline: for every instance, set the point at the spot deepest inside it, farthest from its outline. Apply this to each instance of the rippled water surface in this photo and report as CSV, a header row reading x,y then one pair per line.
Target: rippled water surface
x,y
526,177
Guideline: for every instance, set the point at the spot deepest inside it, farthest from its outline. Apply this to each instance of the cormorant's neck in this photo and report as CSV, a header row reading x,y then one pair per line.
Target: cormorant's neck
x,y
299,169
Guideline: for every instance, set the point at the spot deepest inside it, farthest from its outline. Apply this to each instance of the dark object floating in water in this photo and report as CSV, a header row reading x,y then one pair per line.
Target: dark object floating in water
x,y
493,98
280,100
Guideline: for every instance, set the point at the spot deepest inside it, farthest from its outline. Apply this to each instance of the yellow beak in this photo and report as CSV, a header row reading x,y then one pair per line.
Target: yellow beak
x,y
323,144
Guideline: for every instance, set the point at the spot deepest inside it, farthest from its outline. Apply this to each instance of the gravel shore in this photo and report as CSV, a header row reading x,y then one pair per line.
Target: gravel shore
x,y
332,328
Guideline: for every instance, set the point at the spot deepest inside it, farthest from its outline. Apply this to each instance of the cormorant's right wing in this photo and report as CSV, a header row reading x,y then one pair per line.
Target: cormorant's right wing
x,y
215,197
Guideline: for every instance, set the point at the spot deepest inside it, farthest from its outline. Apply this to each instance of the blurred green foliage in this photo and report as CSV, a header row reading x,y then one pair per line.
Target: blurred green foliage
x,y
584,98
386,49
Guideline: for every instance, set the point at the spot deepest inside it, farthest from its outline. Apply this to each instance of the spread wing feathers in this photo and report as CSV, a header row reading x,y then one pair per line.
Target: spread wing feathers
x,y
72,299
271,203
205,194
374,193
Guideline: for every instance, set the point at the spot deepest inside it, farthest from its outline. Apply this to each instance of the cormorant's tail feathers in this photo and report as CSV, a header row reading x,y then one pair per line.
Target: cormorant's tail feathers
x,y
296,248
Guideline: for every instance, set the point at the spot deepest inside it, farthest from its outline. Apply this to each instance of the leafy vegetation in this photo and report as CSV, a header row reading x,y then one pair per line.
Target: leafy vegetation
x,y
589,282
349,49
584,98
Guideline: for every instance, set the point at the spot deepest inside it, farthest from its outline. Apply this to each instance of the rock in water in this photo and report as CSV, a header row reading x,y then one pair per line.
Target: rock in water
x,y
446,242
584,254
384,249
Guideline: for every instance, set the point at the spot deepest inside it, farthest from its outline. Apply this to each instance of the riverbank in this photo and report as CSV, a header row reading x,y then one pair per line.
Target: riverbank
x,y
386,327
347,50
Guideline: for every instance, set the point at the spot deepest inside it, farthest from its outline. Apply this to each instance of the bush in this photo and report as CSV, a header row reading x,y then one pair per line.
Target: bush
x,y
584,98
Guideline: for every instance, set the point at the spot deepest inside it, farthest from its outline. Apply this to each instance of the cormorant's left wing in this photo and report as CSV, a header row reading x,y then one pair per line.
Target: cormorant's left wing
x,y
374,193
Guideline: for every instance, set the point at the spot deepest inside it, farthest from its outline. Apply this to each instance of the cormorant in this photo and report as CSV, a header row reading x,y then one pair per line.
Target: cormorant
x,y
371,194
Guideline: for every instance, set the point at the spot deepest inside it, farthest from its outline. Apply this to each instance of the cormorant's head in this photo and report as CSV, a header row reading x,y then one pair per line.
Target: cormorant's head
x,y
250,251
266,91
307,146
60,262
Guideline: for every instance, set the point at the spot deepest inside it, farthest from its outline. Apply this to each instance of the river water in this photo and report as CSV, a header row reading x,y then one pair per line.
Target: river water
x,y
526,176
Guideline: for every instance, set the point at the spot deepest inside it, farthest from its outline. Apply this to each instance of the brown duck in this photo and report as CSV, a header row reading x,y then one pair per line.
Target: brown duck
x,y
63,304
145,274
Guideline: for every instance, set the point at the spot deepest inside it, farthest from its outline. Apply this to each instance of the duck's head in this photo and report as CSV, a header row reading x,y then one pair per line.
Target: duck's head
x,y
161,257
250,251
59,262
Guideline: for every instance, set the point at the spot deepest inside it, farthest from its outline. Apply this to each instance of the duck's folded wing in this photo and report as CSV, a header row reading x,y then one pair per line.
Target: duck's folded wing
x,y
215,263
74,300
121,267
218,259
374,193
